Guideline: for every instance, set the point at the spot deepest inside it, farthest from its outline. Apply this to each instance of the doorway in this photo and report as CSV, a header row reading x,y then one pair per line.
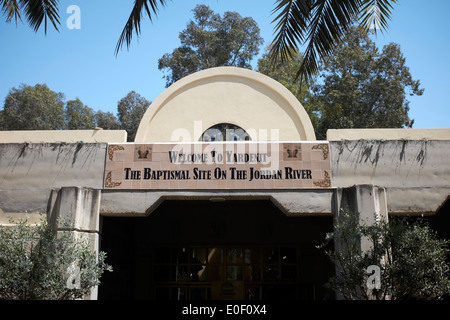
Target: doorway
x,y
202,250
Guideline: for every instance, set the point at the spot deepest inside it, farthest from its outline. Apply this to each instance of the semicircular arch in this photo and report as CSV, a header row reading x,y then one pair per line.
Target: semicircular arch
x,y
255,102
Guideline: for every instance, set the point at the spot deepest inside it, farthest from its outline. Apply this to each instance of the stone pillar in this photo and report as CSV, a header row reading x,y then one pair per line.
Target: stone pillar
x,y
80,207
368,202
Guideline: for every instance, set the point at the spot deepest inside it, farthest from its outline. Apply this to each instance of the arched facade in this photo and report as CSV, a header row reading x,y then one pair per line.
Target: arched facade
x,y
260,105
225,180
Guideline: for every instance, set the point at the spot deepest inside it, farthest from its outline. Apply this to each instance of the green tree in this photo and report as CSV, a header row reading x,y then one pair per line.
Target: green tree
x,y
2,125
39,108
360,87
131,109
212,41
33,108
410,257
79,116
106,120
35,264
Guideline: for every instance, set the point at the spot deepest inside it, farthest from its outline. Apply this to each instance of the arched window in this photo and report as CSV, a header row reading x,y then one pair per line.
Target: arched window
x,y
225,132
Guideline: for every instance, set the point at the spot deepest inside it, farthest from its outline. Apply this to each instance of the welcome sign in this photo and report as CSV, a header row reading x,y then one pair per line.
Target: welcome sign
x,y
218,165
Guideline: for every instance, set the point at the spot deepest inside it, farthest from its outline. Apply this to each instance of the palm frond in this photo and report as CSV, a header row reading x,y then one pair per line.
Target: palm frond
x,y
290,30
38,11
320,25
330,19
134,21
376,13
11,9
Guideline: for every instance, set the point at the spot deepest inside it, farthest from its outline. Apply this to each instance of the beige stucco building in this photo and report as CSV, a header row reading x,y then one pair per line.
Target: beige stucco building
x,y
224,193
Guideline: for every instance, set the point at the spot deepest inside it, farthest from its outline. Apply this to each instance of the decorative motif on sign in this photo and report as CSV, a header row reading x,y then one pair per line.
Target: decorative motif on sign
x,y
112,149
292,152
325,183
109,183
142,153
324,148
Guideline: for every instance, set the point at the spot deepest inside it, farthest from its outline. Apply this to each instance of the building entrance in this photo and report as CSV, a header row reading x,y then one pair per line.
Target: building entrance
x,y
203,250
229,272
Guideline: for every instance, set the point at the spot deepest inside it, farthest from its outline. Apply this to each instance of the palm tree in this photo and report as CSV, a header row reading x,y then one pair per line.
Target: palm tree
x,y
317,24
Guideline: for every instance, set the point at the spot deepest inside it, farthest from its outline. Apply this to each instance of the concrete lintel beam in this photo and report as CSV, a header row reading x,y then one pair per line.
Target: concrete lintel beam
x,y
416,201
141,203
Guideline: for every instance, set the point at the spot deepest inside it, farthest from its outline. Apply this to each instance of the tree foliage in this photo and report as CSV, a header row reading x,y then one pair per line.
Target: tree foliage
x,y
212,41
39,108
130,110
361,87
78,116
33,108
412,259
106,120
35,264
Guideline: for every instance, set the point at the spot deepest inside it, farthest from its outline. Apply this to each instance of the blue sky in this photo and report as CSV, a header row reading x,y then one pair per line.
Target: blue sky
x,y
81,63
